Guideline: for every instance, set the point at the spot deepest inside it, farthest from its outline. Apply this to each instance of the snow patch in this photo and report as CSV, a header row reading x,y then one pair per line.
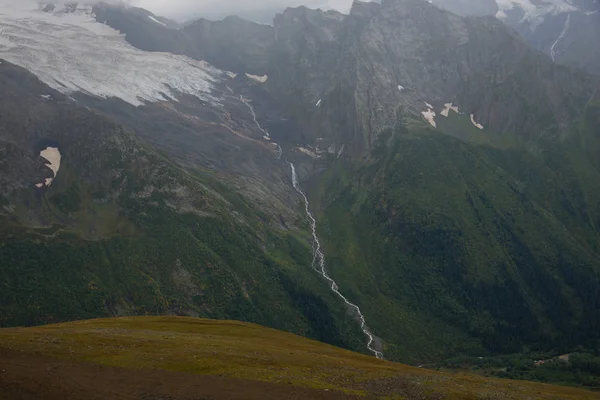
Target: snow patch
x,y
447,107
475,123
400,88
157,21
308,152
428,105
429,115
319,103
230,74
52,156
260,79
72,52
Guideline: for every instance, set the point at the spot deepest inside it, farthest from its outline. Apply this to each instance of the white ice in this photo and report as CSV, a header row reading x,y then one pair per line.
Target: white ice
x,y
260,79
308,152
429,115
157,21
52,155
478,125
447,107
71,52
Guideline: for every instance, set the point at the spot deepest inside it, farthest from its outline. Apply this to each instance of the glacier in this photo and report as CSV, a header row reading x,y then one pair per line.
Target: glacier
x,y
71,52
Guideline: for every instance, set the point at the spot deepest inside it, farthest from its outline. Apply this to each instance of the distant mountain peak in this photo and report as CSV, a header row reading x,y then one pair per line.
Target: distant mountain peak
x,y
566,30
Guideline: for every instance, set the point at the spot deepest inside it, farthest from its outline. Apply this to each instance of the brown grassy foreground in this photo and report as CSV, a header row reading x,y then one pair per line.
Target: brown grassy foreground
x,y
168,358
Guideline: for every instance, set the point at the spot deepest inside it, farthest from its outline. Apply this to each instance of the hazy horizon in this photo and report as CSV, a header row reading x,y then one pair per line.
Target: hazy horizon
x,y
261,10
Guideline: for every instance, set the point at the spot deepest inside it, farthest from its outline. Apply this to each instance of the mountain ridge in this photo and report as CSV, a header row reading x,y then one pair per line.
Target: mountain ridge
x,y
560,29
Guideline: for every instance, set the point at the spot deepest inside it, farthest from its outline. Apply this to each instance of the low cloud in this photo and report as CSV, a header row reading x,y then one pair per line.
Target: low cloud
x,y
258,10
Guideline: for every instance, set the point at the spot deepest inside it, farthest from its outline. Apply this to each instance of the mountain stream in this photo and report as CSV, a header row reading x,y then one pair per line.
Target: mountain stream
x,y
318,262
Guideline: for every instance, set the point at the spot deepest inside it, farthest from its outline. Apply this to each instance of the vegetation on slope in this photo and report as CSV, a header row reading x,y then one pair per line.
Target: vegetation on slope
x,y
124,231
239,350
467,248
580,368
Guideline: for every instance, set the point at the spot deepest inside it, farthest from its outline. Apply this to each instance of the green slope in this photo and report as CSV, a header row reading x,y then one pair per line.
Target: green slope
x,y
467,247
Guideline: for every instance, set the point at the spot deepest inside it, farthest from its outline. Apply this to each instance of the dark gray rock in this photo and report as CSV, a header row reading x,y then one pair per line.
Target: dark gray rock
x,y
232,44
573,43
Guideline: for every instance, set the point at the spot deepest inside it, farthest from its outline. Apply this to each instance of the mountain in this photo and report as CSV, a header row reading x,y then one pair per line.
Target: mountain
x,y
232,44
186,358
399,179
565,30
460,205
130,187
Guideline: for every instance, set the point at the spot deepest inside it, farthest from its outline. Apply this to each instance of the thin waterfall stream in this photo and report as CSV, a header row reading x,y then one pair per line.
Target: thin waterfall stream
x,y
318,262
267,135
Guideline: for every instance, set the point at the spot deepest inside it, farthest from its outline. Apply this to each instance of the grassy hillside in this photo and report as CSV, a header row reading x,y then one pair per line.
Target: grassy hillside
x,y
235,350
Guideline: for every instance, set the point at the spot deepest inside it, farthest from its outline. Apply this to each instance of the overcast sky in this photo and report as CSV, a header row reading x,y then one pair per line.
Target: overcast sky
x,y
262,10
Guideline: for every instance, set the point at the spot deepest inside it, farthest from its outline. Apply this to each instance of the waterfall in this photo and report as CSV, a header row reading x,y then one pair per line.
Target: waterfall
x,y
560,37
319,260
318,256
267,135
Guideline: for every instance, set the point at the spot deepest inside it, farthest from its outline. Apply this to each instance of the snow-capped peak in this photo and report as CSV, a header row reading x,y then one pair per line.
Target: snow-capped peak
x,y
70,51
534,11
157,21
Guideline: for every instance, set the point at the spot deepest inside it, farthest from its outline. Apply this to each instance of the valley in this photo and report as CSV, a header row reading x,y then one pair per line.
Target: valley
x,y
405,181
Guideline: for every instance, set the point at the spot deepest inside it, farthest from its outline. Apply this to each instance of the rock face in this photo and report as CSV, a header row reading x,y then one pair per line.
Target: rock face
x,y
232,44
406,203
564,30
356,65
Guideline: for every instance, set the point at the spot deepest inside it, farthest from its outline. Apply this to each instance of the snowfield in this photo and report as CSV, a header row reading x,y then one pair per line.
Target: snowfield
x,y
71,52
534,10
52,156
429,115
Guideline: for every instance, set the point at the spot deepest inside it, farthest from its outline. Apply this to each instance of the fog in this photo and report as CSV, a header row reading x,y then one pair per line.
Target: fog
x,y
258,10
